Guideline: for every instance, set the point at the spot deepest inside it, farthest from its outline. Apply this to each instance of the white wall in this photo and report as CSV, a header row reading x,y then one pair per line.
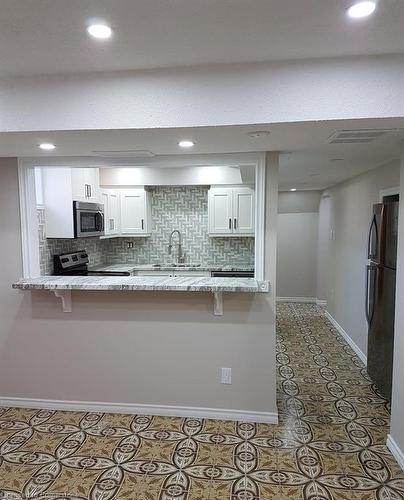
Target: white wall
x,y
345,214
397,405
218,95
298,202
171,176
146,348
297,244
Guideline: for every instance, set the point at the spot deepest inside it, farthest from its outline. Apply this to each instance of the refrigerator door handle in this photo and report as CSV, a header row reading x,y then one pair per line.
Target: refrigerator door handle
x,y
367,296
371,254
370,287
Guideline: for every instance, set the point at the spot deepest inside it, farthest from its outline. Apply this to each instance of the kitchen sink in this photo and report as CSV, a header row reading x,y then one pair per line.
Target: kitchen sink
x,y
186,265
176,265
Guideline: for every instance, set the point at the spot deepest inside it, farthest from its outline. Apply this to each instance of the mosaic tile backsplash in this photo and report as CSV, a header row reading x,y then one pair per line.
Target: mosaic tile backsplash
x,y
183,208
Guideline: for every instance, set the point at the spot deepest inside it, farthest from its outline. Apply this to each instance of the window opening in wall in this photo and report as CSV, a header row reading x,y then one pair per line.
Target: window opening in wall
x,y
198,221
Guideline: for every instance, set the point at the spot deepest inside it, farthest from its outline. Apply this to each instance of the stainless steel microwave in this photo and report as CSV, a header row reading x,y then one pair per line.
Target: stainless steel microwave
x,y
88,219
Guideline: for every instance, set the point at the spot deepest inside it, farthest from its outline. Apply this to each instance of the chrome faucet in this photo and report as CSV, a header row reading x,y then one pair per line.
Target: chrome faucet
x,y
181,254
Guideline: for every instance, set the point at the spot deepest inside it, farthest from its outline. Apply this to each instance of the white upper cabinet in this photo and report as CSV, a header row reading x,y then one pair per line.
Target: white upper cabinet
x,y
85,184
62,186
112,211
220,205
231,211
135,212
243,211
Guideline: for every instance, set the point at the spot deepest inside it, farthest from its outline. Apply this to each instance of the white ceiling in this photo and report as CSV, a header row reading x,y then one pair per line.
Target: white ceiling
x,y
306,156
49,36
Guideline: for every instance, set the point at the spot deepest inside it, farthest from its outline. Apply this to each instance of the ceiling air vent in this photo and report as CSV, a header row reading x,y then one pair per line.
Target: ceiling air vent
x,y
125,153
356,136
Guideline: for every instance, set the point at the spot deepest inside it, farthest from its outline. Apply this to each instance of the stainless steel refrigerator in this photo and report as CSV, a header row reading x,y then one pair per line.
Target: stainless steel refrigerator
x,y
380,294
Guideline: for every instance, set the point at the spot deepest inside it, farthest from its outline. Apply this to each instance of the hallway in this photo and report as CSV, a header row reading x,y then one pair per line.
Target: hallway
x,y
334,422
329,444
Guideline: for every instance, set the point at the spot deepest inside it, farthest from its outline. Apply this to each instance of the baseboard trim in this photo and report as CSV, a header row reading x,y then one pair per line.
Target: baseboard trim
x,y
303,300
351,343
129,408
395,451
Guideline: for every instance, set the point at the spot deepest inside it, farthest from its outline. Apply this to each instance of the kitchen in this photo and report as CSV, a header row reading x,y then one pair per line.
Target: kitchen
x,y
142,350
135,221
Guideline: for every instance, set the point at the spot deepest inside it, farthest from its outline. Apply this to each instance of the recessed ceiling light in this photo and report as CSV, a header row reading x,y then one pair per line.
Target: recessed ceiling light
x,y
186,144
100,31
293,189
361,9
47,146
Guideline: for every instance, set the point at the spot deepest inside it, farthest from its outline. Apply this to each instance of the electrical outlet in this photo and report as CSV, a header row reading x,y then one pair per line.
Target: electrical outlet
x,y
129,244
226,376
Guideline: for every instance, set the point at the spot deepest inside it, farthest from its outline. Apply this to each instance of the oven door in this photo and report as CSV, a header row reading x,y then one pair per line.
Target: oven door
x,y
88,222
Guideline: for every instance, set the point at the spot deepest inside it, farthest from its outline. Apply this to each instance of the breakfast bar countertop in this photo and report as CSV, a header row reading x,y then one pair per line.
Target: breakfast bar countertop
x,y
150,283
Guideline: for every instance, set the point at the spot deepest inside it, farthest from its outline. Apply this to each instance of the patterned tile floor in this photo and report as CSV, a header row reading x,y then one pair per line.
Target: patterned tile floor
x,y
329,444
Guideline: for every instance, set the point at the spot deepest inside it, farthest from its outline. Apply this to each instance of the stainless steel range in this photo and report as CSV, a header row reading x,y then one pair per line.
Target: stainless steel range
x,y
76,264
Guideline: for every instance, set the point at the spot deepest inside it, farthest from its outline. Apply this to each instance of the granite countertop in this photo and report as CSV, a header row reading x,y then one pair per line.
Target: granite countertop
x,y
152,283
167,267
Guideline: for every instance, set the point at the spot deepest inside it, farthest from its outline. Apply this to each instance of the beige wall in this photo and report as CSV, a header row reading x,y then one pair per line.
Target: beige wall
x,y
296,266
297,255
345,213
144,348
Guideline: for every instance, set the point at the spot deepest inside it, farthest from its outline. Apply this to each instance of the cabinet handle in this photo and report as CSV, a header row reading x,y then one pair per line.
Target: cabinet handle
x,y
230,223
235,223
142,224
85,191
89,190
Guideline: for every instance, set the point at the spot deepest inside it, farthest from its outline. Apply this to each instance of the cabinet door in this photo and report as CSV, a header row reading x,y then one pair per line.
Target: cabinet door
x,y
243,211
79,187
220,211
105,202
114,212
110,200
92,181
85,184
133,211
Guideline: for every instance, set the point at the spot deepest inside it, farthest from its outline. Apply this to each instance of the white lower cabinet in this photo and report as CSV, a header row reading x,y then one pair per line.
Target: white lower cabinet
x,y
175,273
193,274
